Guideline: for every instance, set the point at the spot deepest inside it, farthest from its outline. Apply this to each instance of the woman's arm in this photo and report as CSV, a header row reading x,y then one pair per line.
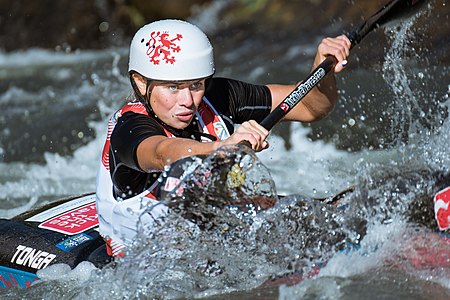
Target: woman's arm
x,y
323,97
164,150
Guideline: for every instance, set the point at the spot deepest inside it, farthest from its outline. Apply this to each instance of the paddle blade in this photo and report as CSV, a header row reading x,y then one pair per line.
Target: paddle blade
x,y
395,9
403,10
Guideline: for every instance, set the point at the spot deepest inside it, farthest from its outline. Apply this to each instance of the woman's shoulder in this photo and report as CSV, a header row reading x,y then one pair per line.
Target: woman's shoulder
x,y
135,122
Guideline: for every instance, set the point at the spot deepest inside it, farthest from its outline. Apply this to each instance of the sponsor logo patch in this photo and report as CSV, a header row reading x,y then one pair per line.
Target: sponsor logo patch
x,y
75,221
73,242
220,130
32,258
284,107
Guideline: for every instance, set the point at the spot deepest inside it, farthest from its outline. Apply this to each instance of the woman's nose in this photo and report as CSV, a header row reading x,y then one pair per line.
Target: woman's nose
x,y
186,97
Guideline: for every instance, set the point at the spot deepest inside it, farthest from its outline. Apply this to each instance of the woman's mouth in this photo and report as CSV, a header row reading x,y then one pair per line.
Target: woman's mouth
x,y
185,116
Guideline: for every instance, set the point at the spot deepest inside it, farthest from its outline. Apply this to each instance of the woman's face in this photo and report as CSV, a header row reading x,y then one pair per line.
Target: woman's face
x,y
176,103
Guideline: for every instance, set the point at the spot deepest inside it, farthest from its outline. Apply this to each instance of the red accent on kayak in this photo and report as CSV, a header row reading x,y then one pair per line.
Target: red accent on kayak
x,y
442,208
74,221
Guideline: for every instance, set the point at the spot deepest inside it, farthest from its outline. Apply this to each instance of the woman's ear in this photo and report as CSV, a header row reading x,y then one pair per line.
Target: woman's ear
x,y
141,83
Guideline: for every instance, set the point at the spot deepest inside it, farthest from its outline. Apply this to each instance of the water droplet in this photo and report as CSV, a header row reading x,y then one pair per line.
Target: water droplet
x,y
103,26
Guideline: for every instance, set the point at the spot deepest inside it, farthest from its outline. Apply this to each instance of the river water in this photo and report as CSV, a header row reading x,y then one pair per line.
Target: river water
x,y
388,137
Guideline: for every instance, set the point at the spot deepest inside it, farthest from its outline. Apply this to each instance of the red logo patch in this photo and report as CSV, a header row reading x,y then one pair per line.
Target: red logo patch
x,y
284,107
161,46
442,208
75,221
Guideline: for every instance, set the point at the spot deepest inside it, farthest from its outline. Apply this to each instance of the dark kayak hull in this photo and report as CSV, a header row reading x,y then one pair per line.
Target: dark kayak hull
x,y
64,231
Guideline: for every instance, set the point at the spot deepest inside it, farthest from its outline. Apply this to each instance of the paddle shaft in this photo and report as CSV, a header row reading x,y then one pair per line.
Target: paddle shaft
x,y
296,96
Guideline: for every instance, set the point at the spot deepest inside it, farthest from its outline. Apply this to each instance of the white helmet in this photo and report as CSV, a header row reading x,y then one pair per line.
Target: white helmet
x,y
171,50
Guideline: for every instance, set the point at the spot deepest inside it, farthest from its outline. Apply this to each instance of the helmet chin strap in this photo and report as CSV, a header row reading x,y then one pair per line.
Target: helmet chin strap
x,y
146,100
176,132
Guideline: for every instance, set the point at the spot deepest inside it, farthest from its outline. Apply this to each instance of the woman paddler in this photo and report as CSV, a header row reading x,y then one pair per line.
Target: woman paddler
x,y
180,109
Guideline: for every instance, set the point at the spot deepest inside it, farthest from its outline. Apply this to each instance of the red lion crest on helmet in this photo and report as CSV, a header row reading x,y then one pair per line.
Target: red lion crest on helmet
x,y
160,46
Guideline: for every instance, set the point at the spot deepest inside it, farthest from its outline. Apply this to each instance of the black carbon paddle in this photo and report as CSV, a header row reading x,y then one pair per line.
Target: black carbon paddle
x,y
391,10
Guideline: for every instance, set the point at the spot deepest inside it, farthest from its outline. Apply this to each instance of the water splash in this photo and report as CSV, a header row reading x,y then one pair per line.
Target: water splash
x,y
412,112
394,195
215,240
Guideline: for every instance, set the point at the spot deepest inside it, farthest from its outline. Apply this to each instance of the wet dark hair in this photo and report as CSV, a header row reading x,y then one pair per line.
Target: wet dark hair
x,y
137,93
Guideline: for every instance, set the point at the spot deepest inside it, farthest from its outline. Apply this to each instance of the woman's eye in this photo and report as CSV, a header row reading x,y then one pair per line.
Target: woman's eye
x,y
196,86
172,87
